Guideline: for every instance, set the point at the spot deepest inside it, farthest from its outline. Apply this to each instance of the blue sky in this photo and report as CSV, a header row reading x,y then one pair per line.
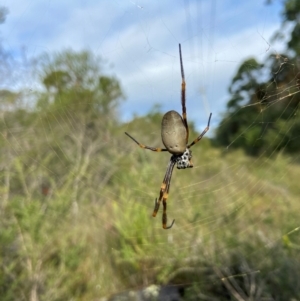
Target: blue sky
x,y
139,40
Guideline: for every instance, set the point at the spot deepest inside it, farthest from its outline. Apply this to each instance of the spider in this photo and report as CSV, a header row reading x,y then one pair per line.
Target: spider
x,y
175,135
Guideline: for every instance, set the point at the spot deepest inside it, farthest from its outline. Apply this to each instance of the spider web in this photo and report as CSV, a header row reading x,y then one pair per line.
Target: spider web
x,y
236,226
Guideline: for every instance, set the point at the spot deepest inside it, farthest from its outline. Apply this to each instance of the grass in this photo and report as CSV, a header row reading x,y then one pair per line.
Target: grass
x,y
236,216
236,235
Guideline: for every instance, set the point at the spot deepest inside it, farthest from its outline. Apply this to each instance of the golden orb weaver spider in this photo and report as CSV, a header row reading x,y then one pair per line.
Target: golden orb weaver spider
x,y
175,136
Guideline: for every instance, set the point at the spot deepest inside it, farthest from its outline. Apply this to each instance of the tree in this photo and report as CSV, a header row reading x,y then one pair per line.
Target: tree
x,y
261,114
56,160
78,113
74,80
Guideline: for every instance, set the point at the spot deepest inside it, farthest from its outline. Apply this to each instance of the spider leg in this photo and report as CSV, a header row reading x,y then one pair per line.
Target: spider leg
x,y
155,149
163,191
163,195
184,116
164,216
202,134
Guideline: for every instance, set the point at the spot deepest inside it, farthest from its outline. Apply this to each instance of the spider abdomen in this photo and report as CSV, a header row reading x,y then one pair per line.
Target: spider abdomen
x,y
173,133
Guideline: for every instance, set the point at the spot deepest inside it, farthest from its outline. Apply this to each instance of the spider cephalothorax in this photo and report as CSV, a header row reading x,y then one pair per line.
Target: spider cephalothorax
x,y
183,161
175,136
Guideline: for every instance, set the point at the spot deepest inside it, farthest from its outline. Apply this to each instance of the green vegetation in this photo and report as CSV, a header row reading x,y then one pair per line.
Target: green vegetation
x,y
235,230
262,114
77,197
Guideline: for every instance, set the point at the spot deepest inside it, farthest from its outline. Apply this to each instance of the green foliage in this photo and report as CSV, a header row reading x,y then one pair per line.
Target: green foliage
x,y
291,13
221,232
74,84
91,233
262,114
56,160
77,195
